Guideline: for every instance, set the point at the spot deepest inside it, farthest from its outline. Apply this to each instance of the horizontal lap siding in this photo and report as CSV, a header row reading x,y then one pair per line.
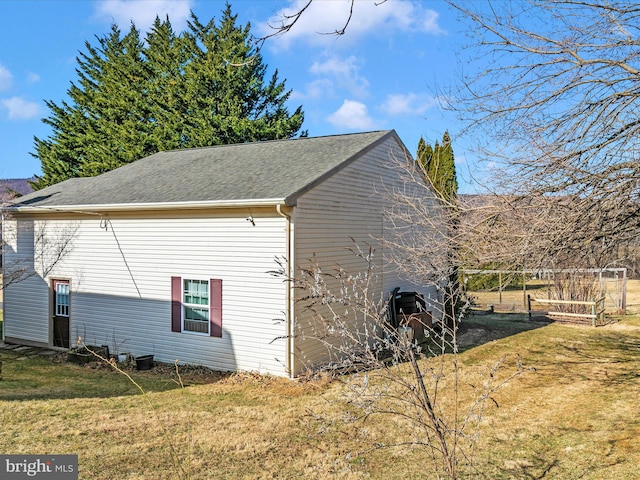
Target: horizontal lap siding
x,y
25,304
347,205
121,285
26,311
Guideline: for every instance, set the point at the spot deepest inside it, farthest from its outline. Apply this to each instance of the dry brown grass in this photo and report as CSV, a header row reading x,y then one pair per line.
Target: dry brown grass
x,y
223,426
575,416
633,297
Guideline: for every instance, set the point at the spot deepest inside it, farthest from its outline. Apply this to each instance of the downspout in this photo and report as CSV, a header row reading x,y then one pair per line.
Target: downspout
x,y
290,297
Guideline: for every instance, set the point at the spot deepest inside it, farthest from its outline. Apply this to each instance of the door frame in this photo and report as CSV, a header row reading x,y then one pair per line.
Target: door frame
x,y
53,311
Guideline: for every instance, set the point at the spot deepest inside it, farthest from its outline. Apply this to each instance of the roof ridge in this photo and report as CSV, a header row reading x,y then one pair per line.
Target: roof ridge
x,y
275,170
262,142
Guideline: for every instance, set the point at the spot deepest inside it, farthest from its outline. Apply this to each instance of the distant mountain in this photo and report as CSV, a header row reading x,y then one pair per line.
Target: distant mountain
x,y
14,186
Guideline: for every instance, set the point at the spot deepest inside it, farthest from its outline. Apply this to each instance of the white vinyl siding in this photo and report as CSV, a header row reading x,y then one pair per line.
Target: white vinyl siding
x,y
26,303
121,273
349,205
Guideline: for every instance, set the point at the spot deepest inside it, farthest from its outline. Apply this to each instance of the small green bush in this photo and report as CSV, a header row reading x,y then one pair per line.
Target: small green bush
x,y
491,281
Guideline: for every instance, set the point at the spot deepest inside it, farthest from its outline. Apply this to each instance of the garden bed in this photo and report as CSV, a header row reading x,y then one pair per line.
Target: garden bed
x,y
87,353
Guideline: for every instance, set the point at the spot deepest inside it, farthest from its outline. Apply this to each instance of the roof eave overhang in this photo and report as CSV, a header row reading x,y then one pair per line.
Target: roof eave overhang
x,y
131,207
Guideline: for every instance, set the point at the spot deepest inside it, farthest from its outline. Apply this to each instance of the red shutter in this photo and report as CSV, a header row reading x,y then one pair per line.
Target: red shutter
x,y
215,314
176,304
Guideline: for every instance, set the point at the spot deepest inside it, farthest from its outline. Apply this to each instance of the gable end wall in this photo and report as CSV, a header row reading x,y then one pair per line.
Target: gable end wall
x,y
348,205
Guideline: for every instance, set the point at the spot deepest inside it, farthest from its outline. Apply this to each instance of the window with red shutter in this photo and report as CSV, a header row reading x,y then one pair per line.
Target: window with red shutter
x,y
196,306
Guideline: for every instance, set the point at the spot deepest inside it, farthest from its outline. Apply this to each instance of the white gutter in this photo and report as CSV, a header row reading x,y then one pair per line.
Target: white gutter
x,y
121,207
289,321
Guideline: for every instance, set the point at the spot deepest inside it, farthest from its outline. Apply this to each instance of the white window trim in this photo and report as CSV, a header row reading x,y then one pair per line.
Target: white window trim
x,y
184,305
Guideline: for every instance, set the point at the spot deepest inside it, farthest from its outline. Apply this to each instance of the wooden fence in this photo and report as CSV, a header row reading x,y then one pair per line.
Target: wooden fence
x,y
596,314
613,284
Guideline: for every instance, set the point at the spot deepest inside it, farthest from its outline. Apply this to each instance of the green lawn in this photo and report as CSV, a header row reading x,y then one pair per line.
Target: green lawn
x,y
576,416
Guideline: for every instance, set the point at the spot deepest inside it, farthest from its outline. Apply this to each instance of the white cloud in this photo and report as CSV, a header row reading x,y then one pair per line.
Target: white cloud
x,y
407,104
5,78
430,23
345,72
20,109
369,17
33,77
322,88
352,115
335,74
144,12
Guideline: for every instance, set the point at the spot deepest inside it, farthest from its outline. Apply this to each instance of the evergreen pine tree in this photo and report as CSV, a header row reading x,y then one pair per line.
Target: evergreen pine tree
x,y
119,124
438,165
166,54
226,90
204,87
447,170
104,125
424,154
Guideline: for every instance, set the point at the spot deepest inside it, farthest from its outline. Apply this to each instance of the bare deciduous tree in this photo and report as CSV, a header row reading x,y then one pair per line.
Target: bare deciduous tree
x,y
415,381
555,93
417,384
50,247
287,20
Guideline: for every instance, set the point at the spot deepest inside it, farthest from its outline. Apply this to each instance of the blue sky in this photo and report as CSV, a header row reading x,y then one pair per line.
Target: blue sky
x,y
386,72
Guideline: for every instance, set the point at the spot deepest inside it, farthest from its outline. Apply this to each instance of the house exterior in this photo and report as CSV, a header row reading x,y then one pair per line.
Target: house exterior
x,y
9,189
171,255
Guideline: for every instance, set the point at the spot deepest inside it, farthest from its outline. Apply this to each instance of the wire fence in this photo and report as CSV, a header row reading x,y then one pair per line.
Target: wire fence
x,y
510,290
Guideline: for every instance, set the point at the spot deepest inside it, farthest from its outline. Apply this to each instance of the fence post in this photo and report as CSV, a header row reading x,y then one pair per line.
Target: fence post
x,y
529,306
593,312
624,291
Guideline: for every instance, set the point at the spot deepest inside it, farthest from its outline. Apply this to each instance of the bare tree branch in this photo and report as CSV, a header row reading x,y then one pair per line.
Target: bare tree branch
x,y
50,247
287,21
555,92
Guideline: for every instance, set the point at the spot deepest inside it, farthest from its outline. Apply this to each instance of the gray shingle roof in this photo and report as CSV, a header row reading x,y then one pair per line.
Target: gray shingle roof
x,y
243,174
